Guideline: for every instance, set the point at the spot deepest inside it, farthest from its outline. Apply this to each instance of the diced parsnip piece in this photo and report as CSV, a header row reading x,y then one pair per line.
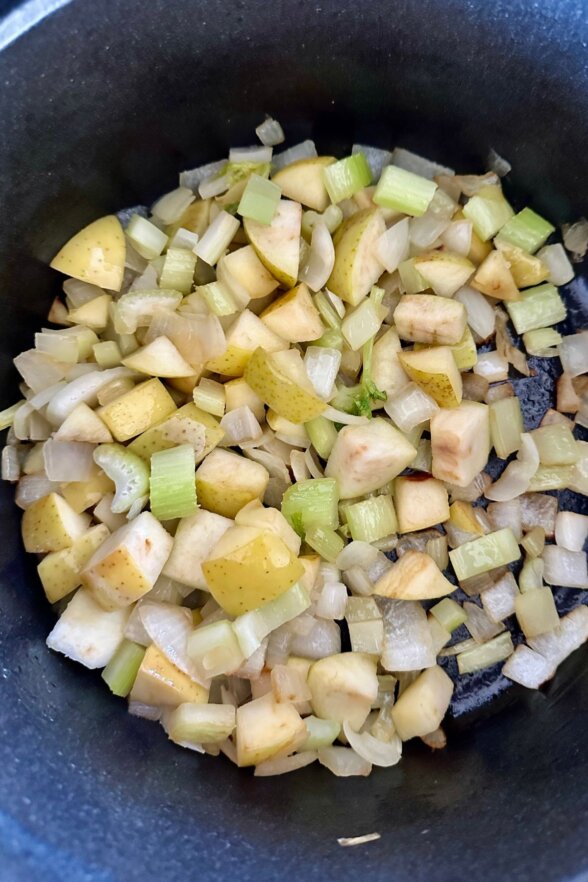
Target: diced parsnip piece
x,y
267,729
526,269
245,335
445,272
422,706
365,458
387,371
415,576
94,314
254,514
356,266
436,372
420,503
95,255
243,267
191,724
183,426
344,687
86,632
280,391
225,482
194,539
128,563
495,279
59,571
294,317
82,495
427,318
83,424
50,524
137,410
160,358
278,244
460,442
303,181
160,684
249,567
536,612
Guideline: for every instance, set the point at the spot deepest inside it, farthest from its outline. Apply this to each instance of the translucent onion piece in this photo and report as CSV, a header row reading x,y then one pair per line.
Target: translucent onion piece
x,y
78,292
573,352
283,765
10,464
68,460
565,568
357,554
321,259
457,237
425,230
571,530
33,487
539,510
145,711
324,639
346,419
575,237
480,626
378,753
322,366
213,186
343,762
505,347
270,132
304,150
418,165
570,634
506,514
83,389
38,370
240,426
498,164
527,667
516,477
410,407
481,316
375,157
194,176
393,246
408,645
169,208
332,601
169,628
561,270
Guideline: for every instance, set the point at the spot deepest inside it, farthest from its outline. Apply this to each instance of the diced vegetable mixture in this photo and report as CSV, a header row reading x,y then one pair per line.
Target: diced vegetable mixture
x,y
251,453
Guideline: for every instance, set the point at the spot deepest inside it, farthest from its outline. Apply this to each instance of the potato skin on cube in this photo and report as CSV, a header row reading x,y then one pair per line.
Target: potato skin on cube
x,y
225,482
128,563
460,442
96,254
356,266
137,410
51,524
428,318
267,729
161,683
194,539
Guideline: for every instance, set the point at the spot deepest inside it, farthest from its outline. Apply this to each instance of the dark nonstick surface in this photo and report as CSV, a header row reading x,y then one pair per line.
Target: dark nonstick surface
x,y
101,104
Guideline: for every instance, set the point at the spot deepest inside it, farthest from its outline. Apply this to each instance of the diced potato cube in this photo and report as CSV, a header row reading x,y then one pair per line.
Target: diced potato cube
x,y
86,632
60,571
428,318
344,687
294,317
460,442
267,729
422,706
420,503
51,524
415,576
137,410
225,482
162,684
194,539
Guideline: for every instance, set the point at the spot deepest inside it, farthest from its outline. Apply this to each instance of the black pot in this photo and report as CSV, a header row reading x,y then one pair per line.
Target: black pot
x,y
101,103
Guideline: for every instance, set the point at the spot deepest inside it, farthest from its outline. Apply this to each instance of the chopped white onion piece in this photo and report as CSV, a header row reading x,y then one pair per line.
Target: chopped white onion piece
x,y
565,568
527,667
492,366
217,238
304,150
457,237
39,371
573,352
357,554
480,626
408,644
378,753
346,419
418,165
323,639
332,601
320,261
145,711
575,238
499,600
425,230
10,464
240,425
481,316
33,487
571,530
569,635
393,246
516,477
213,186
255,154
68,460
183,239
169,628
561,270
343,762
410,407
270,132
170,207
79,293
194,176
283,765
322,366
498,164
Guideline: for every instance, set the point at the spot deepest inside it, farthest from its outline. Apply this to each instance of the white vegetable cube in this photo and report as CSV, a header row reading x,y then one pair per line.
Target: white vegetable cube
x,y
422,706
267,729
128,564
420,503
344,687
536,612
365,458
427,318
460,442
195,538
294,317
225,482
86,632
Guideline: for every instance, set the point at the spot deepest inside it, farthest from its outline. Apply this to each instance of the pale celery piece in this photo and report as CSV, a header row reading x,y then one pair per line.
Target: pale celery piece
x,y
120,672
260,199
488,211
540,307
372,519
506,426
449,613
325,542
328,313
526,230
173,483
479,657
312,503
178,270
254,626
404,191
128,471
556,445
552,478
484,554
218,298
322,434
346,177
542,342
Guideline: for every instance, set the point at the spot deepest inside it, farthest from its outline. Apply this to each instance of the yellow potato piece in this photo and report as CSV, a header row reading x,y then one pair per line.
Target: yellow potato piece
x,y
294,317
95,255
415,576
231,363
195,219
303,181
267,729
462,516
444,271
420,503
495,279
247,269
465,352
436,372
51,524
279,392
154,439
422,706
278,244
160,683
94,314
252,574
137,410
82,495
225,482
356,267
59,571
526,269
